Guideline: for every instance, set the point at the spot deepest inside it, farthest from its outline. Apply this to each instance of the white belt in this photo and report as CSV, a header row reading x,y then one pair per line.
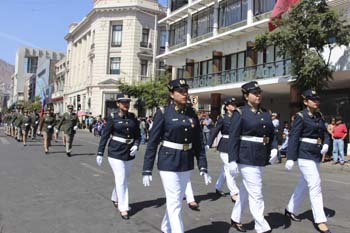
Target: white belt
x,y
264,140
123,140
311,140
177,146
226,136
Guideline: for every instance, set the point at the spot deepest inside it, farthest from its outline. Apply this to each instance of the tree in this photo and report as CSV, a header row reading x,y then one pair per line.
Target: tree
x,y
150,94
303,35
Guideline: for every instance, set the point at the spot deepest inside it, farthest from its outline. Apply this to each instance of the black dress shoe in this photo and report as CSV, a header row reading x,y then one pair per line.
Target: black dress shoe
x,y
194,207
115,204
125,217
322,231
239,226
68,154
291,216
220,193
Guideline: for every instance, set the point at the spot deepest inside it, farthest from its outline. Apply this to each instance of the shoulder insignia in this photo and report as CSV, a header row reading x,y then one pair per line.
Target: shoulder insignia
x,y
300,114
320,115
162,109
239,110
112,114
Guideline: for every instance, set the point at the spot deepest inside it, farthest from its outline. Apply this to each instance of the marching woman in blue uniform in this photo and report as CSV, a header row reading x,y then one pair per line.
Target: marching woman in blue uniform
x,y
178,129
124,133
308,141
252,147
223,126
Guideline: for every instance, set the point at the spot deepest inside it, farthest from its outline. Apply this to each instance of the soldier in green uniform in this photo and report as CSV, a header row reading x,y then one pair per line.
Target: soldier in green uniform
x,y
35,123
18,124
12,123
69,122
46,128
25,125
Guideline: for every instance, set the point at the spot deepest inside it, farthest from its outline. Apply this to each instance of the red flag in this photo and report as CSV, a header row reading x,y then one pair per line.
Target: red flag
x,y
279,9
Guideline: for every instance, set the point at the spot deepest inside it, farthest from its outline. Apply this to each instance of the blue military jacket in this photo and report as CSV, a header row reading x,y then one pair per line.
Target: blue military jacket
x,y
177,126
307,125
124,126
248,122
222,125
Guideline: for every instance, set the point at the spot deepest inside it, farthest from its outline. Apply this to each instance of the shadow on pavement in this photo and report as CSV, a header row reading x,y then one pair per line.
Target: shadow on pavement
x,y
277,220
208,196
80,154
214,227
139,206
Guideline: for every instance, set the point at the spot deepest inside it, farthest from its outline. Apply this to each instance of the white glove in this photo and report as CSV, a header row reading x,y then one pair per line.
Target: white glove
x,y
146,180
56,130
75,128
324,149
99,159
289,165
133,151
233,167
273,156
26,124
207,177
36,122
206,148
49,126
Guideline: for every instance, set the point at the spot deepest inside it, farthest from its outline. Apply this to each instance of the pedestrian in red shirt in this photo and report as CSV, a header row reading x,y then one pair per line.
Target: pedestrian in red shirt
x,y
339,134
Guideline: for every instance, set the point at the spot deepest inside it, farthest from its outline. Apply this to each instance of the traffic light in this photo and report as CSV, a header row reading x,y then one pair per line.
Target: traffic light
x,y
78,98
79,107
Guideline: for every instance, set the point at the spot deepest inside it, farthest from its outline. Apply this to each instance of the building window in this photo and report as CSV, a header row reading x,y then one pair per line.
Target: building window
x,y
202,22
180,73
163,36
31,64
178,32
263,6
115,65
176,4
117,31
232,11
144,66
144,39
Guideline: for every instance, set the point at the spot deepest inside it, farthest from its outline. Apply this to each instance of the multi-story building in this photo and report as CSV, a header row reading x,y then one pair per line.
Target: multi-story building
x,y
211,42
23,80
58,86
115,43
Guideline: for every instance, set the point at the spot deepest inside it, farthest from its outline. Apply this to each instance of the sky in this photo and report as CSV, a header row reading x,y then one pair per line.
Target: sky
x,y
38,23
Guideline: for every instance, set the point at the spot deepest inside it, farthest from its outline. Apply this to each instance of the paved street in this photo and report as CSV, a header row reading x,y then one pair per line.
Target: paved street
x,y
55,194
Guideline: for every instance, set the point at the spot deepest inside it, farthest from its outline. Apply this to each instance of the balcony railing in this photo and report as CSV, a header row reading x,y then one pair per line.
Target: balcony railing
x,y
57,94
201,37
177,46
144,44
263,71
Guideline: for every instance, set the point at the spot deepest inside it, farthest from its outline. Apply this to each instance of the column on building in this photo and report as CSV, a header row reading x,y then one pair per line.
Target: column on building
x,y
250,13
189,28
216,18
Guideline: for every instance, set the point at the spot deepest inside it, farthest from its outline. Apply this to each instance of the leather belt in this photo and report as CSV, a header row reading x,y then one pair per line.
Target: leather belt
x,y
177,146
311,140
123,140
226,136
264,140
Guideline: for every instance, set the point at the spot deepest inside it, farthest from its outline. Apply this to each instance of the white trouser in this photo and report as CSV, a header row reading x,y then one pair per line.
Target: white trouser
x,y
309,181
189,192
174,184
225,174
251,190
121,170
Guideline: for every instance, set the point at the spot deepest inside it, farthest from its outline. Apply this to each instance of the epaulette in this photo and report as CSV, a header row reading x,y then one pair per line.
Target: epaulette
x,y
162,109
300,114
239,110
320,115
112,114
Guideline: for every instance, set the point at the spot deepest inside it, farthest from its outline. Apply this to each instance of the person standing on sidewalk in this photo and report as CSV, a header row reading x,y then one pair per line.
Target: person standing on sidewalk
x,y
339,133
223,125
124,128
69,122
178,127
252,146
308,141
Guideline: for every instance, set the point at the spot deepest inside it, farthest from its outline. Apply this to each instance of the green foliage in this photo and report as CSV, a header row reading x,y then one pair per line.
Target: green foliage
x,y
30,106
303,35
150,94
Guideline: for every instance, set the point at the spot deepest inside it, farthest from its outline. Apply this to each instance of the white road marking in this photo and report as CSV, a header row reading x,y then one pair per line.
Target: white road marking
x,y
93,168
